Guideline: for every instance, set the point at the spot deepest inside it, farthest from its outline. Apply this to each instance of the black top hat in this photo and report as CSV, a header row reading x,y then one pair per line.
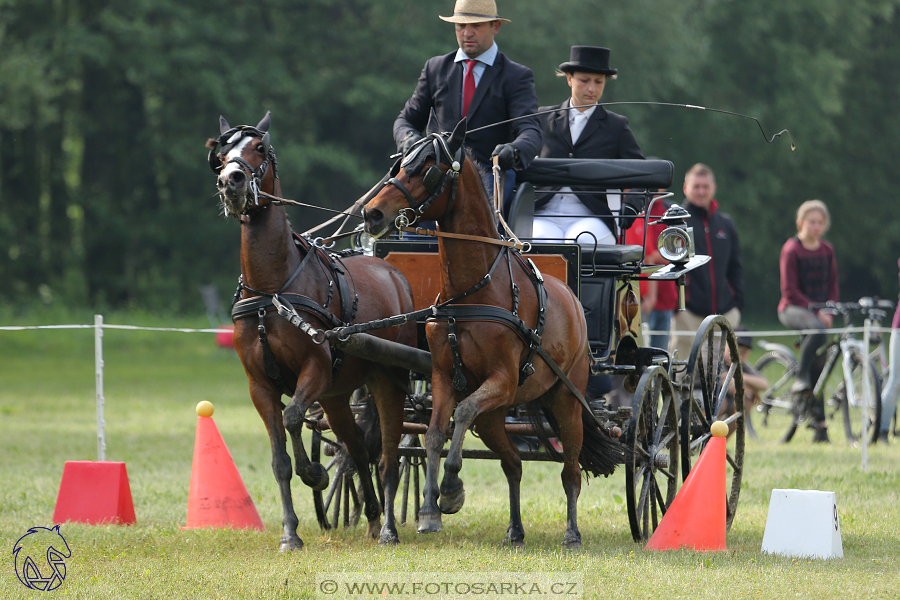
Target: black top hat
x,y
588,59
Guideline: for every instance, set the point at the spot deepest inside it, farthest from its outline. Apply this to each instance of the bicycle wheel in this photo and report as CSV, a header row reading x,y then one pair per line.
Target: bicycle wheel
x,y
774,410
852,412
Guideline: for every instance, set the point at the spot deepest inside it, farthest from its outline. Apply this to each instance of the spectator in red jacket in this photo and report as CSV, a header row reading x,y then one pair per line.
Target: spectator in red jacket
x,y
658,298
808,275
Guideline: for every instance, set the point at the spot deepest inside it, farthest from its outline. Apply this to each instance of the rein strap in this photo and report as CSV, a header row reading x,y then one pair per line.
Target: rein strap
x,y
523,246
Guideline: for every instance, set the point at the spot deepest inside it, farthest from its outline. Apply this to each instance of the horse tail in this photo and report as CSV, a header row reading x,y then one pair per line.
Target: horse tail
x,y
600,454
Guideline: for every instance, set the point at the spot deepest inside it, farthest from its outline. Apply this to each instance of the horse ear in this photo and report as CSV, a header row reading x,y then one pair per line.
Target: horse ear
x,y
457,137
266,122
432,126
223,124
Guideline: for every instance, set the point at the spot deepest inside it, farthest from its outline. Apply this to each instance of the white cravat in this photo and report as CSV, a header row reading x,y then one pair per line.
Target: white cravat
x,y
579,120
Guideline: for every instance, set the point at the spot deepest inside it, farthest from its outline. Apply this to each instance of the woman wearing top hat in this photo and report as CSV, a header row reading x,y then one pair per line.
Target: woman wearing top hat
x,y
581,129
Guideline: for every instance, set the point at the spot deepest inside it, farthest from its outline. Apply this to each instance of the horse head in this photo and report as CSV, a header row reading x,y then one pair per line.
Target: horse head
x,y
416,181
240,157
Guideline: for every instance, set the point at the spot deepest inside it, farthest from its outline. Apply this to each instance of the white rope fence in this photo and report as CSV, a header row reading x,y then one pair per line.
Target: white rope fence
x,y
99,326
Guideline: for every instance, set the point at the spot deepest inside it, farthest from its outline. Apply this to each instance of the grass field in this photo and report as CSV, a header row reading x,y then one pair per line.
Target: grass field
x,y
154,380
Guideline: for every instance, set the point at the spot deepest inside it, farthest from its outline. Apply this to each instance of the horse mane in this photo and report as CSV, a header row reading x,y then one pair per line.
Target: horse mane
x,y
480,172
211,143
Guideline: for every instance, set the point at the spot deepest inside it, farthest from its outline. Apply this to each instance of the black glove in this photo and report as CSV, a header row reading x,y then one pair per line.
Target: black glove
x,y
506,155
408,142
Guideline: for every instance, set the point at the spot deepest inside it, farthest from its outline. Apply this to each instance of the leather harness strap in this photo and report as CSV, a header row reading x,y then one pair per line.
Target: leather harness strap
x,y
262,303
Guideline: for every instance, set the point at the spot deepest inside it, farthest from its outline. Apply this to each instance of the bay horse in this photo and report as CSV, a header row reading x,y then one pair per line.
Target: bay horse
x,y
280,359
482,363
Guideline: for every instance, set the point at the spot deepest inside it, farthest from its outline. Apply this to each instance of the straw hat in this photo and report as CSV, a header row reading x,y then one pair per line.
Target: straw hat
x,y
474,11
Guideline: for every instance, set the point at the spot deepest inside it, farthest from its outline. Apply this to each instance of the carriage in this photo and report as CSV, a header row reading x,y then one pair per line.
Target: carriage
x,y
674,400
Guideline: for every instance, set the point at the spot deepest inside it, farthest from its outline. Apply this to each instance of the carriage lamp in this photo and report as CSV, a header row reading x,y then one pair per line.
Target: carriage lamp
x,y
676,242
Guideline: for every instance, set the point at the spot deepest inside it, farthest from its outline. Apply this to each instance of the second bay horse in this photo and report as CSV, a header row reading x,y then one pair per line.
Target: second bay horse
x,y
281,360
482,364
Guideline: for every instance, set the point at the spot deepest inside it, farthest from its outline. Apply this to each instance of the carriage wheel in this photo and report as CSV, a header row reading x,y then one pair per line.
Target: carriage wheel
x,y
343,498
703,389
412,468
651,465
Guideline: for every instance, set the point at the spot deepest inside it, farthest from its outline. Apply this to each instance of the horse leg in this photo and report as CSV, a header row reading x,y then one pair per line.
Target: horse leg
x,y
312,474
491,427
567,411
443,398
266,401
389,399
344,426
453,494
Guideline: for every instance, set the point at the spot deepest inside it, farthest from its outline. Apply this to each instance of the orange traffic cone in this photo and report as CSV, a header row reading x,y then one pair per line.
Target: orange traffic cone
x,y
696,518
217,496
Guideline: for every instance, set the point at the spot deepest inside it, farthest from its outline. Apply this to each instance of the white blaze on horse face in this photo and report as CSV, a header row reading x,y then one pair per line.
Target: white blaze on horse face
x,y
235,152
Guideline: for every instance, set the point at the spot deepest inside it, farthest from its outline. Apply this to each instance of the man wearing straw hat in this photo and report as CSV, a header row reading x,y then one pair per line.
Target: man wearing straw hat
x,y
480,83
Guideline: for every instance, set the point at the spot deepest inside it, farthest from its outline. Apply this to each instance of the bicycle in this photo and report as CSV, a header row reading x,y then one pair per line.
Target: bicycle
x,y
858,392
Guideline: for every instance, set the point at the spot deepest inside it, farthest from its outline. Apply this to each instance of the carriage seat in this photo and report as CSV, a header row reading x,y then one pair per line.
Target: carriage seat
x,y
610,255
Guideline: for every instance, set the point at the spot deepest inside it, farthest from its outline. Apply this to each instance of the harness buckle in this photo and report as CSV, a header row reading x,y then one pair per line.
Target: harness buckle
x,y
254,189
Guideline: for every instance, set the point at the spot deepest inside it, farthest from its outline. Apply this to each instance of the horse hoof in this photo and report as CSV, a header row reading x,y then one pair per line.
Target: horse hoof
x,y
515,537
291,544
429,523
315,477
388,539
452,503
373,529
572,544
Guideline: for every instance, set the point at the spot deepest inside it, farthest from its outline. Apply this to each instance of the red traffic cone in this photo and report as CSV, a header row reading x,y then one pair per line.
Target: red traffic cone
x,y
217,496
696,518
94,493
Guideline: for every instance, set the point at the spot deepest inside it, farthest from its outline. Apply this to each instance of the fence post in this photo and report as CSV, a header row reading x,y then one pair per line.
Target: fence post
x,y
867,395
98,368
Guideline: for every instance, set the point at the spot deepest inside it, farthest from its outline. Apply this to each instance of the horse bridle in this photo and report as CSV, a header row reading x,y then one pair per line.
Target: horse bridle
x,y
255,176
435,180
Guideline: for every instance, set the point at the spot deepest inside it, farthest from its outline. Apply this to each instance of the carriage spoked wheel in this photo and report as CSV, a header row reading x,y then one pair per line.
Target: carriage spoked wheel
x,y
341,503
705,399
651,462
412,470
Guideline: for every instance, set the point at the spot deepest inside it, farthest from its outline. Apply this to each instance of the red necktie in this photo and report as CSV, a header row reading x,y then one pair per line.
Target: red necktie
x,y
468,85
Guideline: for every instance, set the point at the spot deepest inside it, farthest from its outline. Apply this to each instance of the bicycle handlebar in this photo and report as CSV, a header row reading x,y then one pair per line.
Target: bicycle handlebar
x,y
866,305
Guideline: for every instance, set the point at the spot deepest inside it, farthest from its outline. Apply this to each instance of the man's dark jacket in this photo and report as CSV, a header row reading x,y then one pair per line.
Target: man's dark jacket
x,y
606,135
717,286
506,90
